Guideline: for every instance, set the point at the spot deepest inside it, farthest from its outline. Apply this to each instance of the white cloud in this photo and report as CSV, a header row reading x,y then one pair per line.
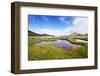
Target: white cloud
x,y
64,20
80,25
44,18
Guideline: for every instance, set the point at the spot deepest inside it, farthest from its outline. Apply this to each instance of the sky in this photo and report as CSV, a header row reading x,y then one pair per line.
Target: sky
x,y
57,25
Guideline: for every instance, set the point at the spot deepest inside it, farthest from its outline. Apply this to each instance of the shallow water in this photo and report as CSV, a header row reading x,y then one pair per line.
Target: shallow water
x,y
59,43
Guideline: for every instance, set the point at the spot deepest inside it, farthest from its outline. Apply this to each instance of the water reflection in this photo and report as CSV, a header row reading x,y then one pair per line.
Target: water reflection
x,y
59,43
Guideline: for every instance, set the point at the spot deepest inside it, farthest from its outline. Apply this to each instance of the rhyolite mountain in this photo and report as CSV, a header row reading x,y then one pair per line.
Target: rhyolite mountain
x,y
30,33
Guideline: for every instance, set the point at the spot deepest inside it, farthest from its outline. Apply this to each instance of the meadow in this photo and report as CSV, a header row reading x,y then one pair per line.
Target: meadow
x,y
50,52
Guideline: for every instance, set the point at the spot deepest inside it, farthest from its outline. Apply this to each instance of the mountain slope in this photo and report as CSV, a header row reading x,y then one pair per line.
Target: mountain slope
x,y
30,33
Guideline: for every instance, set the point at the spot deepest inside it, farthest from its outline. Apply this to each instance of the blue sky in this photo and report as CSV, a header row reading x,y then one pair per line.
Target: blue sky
x,y
55,25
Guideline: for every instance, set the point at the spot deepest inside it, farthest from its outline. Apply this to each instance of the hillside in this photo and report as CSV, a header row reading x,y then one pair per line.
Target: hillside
x,y
30,33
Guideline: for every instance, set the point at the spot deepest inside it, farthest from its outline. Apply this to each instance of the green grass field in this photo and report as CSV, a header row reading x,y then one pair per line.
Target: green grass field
x,y
50,52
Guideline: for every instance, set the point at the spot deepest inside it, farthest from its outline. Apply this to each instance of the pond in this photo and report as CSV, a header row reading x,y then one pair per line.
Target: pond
x,y
59,43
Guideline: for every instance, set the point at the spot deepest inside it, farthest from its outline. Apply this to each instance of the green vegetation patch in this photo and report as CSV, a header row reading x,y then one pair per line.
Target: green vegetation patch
x,y
44,52
49,52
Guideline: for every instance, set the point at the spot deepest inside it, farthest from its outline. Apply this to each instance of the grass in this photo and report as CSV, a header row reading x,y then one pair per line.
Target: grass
x,y
72,39
77,43
83,38
49,39
45,52
34,40
50,52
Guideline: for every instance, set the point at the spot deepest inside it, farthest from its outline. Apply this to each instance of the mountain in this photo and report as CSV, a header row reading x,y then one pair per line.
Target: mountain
x,y
75,34
78,34
30,33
